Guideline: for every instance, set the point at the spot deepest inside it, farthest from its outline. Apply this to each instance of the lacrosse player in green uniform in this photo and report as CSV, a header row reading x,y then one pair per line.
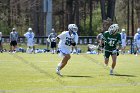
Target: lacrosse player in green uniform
x,y
112,44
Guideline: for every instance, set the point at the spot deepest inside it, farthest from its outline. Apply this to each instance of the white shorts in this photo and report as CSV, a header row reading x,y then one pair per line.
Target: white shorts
x,y
123,44
64,51
30,44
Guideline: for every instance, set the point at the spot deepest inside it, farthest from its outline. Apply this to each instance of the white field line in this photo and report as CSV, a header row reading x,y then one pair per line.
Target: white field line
x,y
30,61
69,87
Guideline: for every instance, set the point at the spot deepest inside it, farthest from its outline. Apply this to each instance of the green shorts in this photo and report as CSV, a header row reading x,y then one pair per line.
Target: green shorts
x,y
107,54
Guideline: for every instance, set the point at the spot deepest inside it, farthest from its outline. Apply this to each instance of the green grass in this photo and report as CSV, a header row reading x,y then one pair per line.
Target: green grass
x,y
35,73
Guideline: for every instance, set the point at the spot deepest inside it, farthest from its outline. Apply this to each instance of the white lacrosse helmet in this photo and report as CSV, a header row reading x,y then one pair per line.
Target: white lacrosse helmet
x,y
29,29
73,27
13,29
123,30
52,29
138,30
113,28
0,33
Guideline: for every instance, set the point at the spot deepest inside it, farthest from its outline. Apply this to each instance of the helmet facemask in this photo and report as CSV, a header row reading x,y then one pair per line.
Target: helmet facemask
x,y
113,29
73,28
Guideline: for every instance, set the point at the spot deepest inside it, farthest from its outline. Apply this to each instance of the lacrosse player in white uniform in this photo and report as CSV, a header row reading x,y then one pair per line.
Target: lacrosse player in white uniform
x,y
137,42
66,40
30,41
123,40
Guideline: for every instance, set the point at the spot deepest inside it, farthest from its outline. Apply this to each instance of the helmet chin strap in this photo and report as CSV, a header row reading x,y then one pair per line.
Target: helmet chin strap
x,y
73,32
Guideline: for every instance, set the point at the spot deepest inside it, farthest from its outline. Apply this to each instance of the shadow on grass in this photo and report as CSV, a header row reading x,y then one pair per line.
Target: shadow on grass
x,y
123,75
77,76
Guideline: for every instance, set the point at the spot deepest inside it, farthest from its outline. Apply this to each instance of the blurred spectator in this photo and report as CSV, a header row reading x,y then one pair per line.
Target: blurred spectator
x,y
13,40
1,47
52,40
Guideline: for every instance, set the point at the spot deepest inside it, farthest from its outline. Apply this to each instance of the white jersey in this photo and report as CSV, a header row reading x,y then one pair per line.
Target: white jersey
x,y
65,42
137,39
123,38
30,38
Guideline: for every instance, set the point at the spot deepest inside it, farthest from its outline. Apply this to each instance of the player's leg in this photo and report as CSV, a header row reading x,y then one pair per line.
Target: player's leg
x,y
14,46
65,53
123,48
65,60
1,47
28,47
72,48
62,63
34,49
114,57
135,49
106,57
32,46
53,46
76,49
138,48
11,47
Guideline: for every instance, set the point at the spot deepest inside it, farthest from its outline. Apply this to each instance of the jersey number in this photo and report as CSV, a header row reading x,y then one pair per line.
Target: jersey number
x,y
30,35
123,36
111,43
138,37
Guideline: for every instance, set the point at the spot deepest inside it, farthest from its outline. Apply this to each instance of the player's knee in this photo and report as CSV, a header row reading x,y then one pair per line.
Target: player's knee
x,y
68,57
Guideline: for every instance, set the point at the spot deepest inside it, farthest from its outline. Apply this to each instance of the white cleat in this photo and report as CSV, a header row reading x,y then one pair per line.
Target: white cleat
x,y
111,72
105,65
58,71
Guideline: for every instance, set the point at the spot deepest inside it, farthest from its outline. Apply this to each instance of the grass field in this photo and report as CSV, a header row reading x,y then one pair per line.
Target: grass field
x,y
85,73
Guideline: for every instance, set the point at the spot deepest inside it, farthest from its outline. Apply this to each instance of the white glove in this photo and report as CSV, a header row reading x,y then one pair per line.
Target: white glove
x,y
114,52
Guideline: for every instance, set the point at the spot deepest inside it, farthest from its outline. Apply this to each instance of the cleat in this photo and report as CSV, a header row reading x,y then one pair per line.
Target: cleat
x,y
111,72
58,71
105,65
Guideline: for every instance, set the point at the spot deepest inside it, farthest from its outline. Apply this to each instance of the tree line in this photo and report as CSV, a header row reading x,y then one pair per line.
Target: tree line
x,y
89,15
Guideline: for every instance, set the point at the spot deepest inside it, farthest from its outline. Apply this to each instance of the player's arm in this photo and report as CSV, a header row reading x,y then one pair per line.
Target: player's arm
x,y
118,47
25,35
61,36
119,42
75,39
49,37
102,41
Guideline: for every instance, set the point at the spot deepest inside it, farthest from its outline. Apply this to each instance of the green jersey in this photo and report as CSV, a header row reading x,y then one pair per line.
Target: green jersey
x,y
111,41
